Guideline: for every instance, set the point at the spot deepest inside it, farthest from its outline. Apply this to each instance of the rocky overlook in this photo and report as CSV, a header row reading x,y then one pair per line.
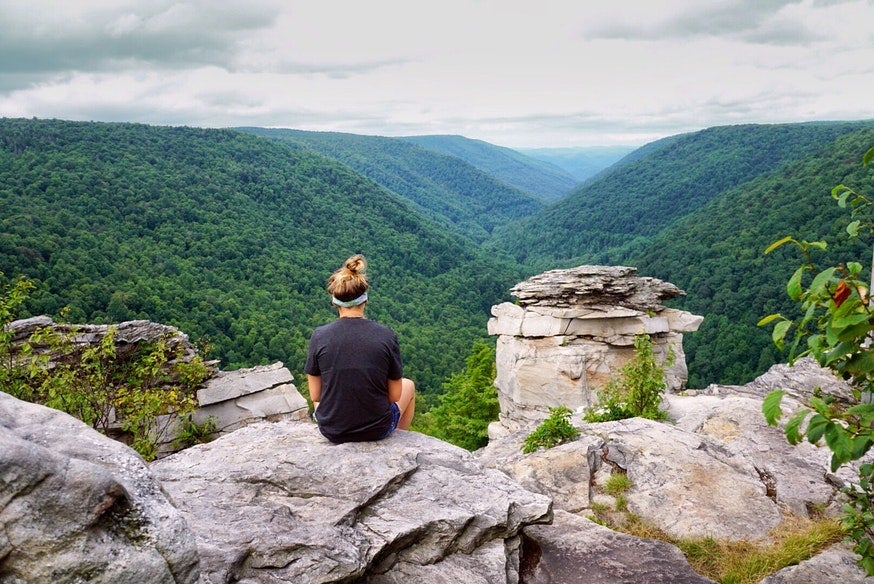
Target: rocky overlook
x,y
271,500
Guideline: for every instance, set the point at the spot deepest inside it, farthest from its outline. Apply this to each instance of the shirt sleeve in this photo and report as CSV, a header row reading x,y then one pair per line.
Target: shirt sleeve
x,y
312,363
396,366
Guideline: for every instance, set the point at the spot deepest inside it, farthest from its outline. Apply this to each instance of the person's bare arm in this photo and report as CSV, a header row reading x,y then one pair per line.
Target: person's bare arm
x,y
395,386
314,382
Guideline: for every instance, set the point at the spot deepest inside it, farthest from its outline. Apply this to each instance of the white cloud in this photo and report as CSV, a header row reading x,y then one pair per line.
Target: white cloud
x,y
507,71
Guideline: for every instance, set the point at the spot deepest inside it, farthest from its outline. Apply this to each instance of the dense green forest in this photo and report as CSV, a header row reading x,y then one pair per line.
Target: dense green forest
x,y
444,188
538,177
698,210
231,238
716,255
611,219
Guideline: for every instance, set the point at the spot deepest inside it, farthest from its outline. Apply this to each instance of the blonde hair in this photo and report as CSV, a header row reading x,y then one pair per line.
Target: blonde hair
x,y
350,281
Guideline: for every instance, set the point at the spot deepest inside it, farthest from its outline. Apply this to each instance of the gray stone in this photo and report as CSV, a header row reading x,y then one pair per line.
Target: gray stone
x,y
279,503
226,385
574,331
574,550
595,286
77,506
682,488
836,565
735,432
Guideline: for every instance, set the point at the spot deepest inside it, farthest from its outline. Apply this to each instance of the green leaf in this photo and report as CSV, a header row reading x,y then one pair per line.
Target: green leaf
x,y
861,363
778,243
793,287
849,320
779,332
816,427
838,440
768,319
818,286
816,244
771,406
853,228
792,430
869,156
861,445
839,191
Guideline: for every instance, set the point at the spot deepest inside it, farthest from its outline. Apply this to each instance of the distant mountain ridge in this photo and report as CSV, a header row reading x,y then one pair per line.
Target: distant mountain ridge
x,y
582,163
698,210
230,236
542,178
606,220
446,189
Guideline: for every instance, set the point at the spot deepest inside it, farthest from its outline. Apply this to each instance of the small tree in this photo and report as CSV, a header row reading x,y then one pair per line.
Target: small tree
x,y
638,390
469,402
837,324
554,430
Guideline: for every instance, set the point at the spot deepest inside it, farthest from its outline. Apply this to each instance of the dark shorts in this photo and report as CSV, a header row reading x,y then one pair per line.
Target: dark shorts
x,y
395,418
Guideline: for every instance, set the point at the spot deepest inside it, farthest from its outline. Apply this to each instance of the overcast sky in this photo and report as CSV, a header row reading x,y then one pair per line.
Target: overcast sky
x,y
534,73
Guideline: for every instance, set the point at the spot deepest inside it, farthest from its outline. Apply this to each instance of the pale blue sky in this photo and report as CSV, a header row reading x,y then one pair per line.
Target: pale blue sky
x,y
518,74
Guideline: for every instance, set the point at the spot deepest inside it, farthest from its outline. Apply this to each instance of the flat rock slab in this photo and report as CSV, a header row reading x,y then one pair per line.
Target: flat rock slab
x,y
279,503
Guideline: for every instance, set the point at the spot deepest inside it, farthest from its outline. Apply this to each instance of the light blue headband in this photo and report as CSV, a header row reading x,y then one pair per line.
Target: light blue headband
x,y
360,300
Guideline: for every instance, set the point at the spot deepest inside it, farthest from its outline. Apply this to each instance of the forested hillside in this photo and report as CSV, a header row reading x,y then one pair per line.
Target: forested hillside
x,y
538,177
716,255
618,215
698,210
231,238
443,188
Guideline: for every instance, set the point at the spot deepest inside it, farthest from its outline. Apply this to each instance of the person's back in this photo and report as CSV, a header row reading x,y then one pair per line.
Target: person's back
x,y
354,367
355,357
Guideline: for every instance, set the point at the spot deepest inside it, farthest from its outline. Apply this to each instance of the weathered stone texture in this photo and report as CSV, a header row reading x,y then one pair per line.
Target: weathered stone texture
x,y
572,332
76,506
279,503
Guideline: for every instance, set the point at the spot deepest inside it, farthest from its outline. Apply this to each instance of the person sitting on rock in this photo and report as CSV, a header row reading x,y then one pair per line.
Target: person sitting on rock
x,y
354,367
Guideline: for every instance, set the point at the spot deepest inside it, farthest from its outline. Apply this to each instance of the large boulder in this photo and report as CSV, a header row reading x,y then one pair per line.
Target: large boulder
x,y
76,506
574,550
279,503
716,469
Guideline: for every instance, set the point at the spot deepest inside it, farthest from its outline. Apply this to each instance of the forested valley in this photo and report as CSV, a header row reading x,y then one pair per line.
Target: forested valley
x,y
698,210
231,238
230,235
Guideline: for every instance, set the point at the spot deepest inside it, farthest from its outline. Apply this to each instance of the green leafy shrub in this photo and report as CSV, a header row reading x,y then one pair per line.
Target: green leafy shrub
x,y
189,432
554,430
836,325
90,381
638,390
617,484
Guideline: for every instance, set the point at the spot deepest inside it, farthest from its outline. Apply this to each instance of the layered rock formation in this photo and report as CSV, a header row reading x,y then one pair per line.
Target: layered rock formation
x,y
229,399
278,503
572,331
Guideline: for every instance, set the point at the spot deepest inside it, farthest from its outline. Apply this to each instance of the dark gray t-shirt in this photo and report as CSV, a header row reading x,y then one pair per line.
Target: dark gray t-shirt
x,y
355,358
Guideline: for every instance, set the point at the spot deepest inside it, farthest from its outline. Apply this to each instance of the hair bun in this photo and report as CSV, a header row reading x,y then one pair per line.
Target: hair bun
x,y
356,264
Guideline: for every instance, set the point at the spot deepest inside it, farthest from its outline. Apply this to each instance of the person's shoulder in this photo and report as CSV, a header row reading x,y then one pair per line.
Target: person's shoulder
x,y
323,329
382,328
